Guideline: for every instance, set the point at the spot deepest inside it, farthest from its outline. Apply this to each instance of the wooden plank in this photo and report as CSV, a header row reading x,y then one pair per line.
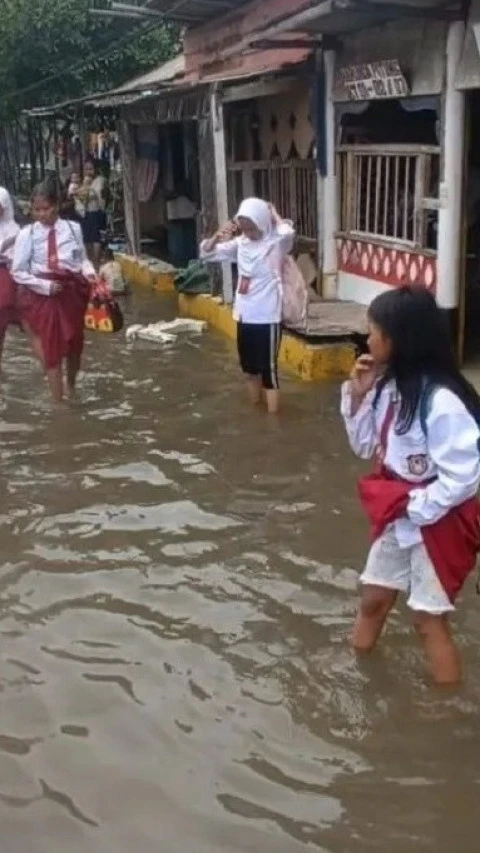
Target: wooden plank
x,y
55,154
378,177
208,194
41,149
358,200
350,190
369,193
129,183
293,196
395,196
258,89
248,186
401,150
406,182
31,154
386,196
221,183
419,218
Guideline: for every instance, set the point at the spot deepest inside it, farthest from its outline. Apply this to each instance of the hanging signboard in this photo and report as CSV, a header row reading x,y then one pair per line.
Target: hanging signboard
x,y
373,80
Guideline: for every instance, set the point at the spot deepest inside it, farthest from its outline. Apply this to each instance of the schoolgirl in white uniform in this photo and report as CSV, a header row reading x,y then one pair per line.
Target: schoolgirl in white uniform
x,y
8,234
408,406
257,242
54,276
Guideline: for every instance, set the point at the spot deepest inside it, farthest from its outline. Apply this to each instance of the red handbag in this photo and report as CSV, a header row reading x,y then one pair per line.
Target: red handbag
x,y
103,312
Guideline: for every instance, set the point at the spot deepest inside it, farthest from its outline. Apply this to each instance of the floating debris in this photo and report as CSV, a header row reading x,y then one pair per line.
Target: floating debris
x,y
164,332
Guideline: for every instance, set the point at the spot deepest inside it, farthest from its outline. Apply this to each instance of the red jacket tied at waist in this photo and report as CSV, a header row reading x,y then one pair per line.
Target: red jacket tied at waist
x,y
58,321
452,543
8,313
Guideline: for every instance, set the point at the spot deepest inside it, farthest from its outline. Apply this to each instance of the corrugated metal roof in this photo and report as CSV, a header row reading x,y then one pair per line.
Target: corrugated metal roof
x,y
170,77
163,74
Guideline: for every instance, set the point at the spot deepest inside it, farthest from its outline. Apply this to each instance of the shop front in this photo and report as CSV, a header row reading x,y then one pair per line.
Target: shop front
x,y
387,97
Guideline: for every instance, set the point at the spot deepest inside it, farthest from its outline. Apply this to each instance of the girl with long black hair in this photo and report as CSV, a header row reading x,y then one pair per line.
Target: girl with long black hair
x,y
408,406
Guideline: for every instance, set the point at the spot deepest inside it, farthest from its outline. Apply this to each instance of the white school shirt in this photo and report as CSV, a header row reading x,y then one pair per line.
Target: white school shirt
x,y
8,253
30,257
263,302
449,452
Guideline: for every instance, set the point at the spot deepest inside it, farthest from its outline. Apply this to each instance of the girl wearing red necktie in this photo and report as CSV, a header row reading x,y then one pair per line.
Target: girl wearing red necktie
x,y
54,276
8,234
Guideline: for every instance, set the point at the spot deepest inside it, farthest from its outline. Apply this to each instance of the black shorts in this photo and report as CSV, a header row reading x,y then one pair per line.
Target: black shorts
x,y
93,223
258,347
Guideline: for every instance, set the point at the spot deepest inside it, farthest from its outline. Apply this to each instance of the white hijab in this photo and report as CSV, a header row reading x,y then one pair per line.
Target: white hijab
x,y
253,252
8,227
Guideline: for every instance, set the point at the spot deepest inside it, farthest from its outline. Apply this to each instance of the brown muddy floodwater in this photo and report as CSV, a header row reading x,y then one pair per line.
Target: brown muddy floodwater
x,y
178,581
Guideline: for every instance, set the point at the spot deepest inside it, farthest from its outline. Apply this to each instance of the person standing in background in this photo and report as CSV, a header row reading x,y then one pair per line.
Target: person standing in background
x,y
93,197
8,234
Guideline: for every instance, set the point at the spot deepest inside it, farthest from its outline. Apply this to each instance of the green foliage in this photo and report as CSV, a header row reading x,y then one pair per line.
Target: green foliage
x,y
53,50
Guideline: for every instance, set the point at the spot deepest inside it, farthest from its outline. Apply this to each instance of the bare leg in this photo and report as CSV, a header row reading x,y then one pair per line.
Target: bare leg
x,y
254,385
440,650
375,605
37,349
97,255
73,367
54,376
94,252
272,396
36,344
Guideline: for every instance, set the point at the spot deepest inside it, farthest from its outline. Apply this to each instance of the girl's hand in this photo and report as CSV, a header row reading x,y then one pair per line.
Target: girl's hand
x,y
56,287
226,232
363,377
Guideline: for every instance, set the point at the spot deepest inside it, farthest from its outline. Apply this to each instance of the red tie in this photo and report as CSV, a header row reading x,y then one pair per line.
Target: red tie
x,y
52,250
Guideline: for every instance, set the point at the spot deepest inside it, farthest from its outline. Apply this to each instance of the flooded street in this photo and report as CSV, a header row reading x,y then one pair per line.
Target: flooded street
x,y
178,583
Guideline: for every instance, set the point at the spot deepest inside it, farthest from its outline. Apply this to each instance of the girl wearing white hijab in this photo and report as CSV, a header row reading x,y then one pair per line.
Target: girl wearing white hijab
x,y
256,241
8,234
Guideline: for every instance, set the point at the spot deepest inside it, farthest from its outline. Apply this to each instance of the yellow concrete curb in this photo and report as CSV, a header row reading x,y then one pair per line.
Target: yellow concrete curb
x,y
311,362
139,273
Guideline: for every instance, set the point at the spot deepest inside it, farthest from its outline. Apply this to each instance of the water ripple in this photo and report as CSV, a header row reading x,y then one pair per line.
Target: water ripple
x,y
179,577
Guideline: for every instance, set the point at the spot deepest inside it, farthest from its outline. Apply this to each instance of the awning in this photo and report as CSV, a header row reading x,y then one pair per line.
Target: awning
x,y
146,86
166,94
339,17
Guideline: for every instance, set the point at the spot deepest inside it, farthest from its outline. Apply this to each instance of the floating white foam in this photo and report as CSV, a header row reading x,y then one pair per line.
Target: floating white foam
x,y
164,332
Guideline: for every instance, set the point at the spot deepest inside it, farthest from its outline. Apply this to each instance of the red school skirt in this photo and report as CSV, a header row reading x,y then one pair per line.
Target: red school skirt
x,y
8,297
58,321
